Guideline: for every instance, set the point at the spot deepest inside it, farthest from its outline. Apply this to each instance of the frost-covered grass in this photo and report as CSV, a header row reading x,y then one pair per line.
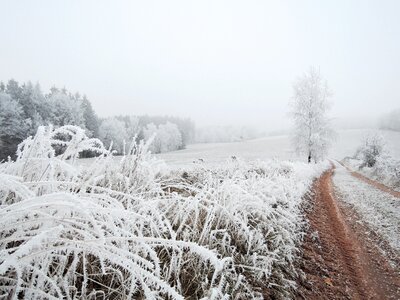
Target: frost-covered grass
x,y
380,210
133,229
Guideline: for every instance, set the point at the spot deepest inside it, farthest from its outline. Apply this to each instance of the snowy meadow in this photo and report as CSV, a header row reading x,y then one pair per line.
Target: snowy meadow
x,y
134,228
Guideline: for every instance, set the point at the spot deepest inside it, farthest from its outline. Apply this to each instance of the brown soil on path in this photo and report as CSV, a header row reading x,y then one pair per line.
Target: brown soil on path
x,y
340,260
372,182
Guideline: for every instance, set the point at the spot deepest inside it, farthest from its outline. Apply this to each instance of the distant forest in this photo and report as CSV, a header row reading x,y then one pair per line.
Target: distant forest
x,y
24,107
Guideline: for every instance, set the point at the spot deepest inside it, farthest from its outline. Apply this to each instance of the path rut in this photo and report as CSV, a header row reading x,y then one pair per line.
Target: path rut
x,y
339,259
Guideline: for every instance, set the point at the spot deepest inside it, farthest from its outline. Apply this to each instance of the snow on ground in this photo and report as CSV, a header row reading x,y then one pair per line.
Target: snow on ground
x,y
272,147
378,209
215,153
278,147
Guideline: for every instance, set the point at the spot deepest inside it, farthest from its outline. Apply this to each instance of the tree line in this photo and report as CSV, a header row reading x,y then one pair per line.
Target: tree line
x,y
24,107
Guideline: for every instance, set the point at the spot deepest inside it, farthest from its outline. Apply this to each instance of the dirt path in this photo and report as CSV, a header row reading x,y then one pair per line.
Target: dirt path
x,y
340,260
374,183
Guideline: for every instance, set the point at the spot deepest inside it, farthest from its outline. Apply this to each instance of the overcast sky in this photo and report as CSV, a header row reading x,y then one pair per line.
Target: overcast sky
x,y
218,62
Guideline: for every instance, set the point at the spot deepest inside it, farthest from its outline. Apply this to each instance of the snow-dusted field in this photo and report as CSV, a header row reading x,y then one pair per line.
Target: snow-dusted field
x,y
272,147
215,153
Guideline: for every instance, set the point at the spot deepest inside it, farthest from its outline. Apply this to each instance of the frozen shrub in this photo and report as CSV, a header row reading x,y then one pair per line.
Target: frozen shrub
x,y
372,147
373,160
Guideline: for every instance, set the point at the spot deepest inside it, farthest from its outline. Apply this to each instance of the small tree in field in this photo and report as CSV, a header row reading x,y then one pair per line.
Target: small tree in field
x,y
312,133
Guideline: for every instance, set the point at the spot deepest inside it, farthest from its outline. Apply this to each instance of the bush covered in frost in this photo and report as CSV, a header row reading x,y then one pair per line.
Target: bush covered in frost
x,y
131,229
375,161
372,147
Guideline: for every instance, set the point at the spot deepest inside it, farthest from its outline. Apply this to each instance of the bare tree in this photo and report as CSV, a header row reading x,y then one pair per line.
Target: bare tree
x,y
312,134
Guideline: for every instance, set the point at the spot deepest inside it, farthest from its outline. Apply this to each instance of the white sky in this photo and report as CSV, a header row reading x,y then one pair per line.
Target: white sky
x,y
218,62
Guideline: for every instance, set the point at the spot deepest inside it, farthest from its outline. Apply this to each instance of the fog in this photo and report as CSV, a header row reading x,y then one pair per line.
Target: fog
x,y
217,62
